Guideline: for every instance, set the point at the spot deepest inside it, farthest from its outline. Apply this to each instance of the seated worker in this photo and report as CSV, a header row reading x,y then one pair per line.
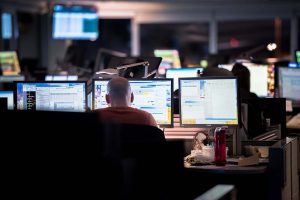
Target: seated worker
x,y
243,74
119,98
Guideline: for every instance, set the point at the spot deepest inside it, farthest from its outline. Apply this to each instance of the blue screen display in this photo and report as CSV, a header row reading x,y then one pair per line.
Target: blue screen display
x,y
75,22
6,25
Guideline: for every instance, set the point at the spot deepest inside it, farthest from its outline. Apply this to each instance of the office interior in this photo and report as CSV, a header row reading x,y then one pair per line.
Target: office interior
x,y
52,51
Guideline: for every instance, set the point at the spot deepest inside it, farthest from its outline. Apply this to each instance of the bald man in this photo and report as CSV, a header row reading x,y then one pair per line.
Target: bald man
x,y
119,98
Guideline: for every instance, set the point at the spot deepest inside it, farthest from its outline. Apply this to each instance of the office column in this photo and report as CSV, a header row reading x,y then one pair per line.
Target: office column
x,y
294,35
135,38
213,35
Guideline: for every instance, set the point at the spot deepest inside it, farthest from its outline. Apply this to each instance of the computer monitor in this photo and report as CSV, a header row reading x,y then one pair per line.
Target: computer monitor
x,y
209,102
151,95
9,95
261,110
9,63
258,79
75,22
7,25
297,55
289,83
175,74
170,59
261,78
51,96
61,78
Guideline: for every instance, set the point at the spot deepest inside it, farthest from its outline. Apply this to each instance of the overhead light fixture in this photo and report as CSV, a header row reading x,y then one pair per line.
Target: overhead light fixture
x,y
271,46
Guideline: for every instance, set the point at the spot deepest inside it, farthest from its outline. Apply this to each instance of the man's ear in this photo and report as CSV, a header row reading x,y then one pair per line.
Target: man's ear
x,y
107,98
132,97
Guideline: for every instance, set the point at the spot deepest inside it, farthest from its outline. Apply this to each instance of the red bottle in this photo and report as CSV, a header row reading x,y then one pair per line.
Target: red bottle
x,y
220,146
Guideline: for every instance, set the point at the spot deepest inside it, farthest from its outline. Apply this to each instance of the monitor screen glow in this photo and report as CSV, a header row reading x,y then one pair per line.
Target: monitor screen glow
x,y
289,83
153,96
75,22
170,59
6,25
53,96
61,78
10,98
298,56
206,102
9,63
258,79
175,74
261,78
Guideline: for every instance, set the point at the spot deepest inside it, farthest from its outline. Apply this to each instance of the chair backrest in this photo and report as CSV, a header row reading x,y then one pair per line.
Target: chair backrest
x,y
53,153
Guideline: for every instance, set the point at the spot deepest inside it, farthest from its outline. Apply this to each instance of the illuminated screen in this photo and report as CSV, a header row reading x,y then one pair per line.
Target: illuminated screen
x,y
298,56
9,63
75,22
261,78
175,74
289,83
153,96
208,102
61,78
10,98
90,100
53,96
170,59
258,79
6,26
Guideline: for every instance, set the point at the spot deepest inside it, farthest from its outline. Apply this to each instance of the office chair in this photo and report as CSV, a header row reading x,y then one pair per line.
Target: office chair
x,y
61,156
152,167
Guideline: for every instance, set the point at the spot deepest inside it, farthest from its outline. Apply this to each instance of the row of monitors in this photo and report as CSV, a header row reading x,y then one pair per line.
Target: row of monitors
x,y
262,79
201,104
203,101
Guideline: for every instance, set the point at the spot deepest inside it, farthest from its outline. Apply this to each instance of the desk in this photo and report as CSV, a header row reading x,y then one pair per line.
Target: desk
x,y
229,169
250,181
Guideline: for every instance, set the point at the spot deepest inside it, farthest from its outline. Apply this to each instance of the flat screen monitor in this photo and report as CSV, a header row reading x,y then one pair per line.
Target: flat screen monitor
x,y
7,25
289,83
61,78
51,96
261,78
75,22
175,74
151,95
297,54
261,110
9,63
258,79
209,102
9,95
170,59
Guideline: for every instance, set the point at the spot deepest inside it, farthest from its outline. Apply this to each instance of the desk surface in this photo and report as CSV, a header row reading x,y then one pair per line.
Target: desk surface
x,y
229,169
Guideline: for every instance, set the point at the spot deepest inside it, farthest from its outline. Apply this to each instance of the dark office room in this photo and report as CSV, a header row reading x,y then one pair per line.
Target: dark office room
x,y
150,99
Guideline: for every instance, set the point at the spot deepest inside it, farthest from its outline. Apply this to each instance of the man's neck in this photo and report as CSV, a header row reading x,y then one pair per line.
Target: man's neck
x,y
119,104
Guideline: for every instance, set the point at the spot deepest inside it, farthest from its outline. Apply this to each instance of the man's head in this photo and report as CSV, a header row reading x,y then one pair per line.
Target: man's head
x,y
119,92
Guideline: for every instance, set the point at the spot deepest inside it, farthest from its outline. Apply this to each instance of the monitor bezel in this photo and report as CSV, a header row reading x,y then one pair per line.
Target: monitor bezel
x,y
171,125
52,82
212,125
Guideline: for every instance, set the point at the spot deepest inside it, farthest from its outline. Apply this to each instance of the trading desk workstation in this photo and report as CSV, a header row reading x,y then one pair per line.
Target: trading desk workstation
x,y
56,139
